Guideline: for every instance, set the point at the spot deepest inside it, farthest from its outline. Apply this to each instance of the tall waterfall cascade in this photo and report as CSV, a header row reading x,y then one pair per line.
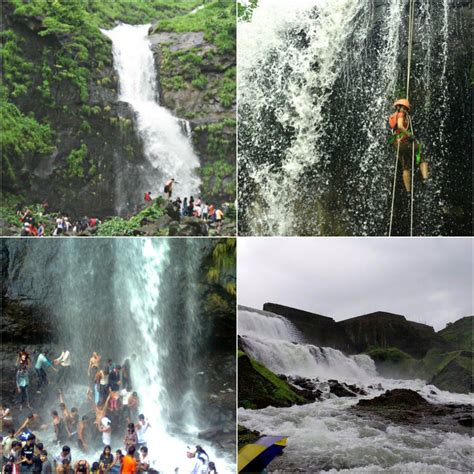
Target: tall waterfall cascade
x,y
138,299
166,139
317,80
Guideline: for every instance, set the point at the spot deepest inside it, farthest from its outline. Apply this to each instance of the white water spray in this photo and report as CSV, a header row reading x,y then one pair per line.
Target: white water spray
x,y
317,80
167,148
144,298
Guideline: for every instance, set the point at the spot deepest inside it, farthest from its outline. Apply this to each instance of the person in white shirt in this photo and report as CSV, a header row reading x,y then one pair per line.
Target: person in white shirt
x,y
106,431
144,465
141,428
64,361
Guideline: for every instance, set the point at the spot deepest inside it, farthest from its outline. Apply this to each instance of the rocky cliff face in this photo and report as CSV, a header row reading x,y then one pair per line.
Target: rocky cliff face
x,y
317,330
96,148
361,333
58,72
196,82
385,330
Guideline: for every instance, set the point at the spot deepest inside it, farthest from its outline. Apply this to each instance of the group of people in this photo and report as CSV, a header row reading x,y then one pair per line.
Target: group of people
x,y
190,207
31,227
111,413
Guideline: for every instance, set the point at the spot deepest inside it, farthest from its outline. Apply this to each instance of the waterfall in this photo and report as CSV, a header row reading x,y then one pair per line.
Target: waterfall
x,y
316,84
121,297
329,436
167,148
263,322
268,339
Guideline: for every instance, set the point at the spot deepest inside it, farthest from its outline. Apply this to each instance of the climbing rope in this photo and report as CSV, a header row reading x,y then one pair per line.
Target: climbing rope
x,y
412,177
393,190
411,23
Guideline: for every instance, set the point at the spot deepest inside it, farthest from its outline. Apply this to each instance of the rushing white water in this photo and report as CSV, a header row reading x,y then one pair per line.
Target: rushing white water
x,y
148,299
275,342
268,324
317,79
327,436
167,148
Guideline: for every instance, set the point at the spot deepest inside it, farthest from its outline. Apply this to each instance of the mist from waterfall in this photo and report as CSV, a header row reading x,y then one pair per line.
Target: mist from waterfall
x,y
166,139
121,297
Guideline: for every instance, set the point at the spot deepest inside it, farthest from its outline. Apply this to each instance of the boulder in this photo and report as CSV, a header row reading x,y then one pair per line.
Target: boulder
x,y
404,406
344,390
192,226
397,398
172,210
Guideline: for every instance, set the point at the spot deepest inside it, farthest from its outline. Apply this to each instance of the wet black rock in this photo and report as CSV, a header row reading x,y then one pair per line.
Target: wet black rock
x,y
396,398
404,406
341,389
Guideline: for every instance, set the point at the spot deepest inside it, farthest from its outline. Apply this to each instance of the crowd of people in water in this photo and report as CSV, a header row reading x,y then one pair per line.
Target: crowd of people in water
x,y
81,443
210,214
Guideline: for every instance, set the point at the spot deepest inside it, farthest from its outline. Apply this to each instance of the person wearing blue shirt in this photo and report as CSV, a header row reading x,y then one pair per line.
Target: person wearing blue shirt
x,y
41,362
22,382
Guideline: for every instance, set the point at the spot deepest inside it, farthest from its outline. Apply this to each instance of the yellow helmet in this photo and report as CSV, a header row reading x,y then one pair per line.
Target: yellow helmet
x,y
403,102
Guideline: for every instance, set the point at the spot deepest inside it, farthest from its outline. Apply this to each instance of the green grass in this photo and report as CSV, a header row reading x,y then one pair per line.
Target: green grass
x,y
216,20
460,334
282,391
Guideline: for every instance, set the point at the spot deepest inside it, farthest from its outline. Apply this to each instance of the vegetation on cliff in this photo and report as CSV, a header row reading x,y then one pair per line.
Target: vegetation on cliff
x,y
460,334
450,371
59,96
259,387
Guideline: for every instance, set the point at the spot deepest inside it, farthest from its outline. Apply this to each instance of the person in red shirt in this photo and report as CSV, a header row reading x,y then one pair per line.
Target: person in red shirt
x,y
148,196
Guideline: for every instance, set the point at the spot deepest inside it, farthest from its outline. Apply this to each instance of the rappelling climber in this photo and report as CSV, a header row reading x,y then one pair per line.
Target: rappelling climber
x,y
169,187
404,139
147,196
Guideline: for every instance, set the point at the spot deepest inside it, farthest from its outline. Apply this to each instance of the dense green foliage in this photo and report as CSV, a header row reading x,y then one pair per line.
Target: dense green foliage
x,y
21,135
449,367
220,270
118,226
392,354
218,176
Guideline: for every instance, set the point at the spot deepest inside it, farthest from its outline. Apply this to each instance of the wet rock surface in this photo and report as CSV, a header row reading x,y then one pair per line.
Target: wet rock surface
x,y
404,406
344,390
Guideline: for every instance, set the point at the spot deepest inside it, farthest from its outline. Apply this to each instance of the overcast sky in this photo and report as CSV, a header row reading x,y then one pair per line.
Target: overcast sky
x,y
428,280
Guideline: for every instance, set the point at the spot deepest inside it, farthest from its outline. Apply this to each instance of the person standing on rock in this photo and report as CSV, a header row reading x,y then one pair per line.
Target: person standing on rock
x,y
64,361
219,219
141,429
41,362
205,211
169,187
22,383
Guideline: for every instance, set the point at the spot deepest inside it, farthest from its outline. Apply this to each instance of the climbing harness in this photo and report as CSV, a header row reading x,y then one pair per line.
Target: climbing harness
x,y
411,22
